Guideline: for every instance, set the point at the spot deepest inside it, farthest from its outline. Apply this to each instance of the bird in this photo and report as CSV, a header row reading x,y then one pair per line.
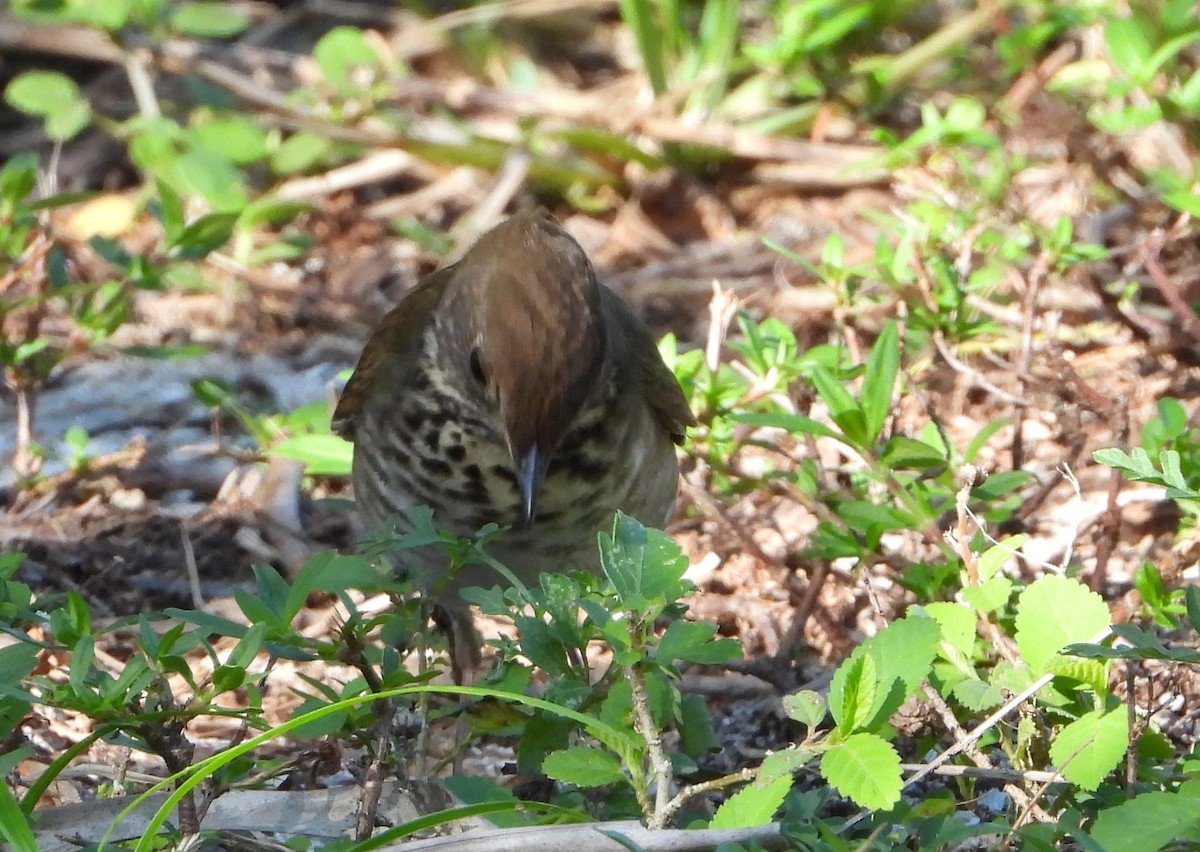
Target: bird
x,y
511,387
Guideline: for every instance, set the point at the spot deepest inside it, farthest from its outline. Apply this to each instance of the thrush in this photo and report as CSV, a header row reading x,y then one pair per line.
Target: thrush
x,y
512,388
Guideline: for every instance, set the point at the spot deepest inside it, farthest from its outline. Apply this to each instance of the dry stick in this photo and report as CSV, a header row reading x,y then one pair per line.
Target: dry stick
x,y
189,560
1151,251
1029,303
375,167
660,767
1036,776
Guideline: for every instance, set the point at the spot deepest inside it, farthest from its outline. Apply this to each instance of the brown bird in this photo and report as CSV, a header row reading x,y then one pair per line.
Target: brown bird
x,y
512,387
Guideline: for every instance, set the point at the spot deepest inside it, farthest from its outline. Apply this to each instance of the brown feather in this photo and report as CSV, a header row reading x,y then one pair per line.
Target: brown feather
x,y
392,348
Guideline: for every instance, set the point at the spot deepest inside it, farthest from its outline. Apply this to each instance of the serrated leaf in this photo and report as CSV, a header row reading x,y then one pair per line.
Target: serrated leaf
x,y
903,653
644,565
992,560
957,625
783,763
1091,747
1091,672
989,596
1053,612
806,707
866,768
583,767
852,691
1148,821
752,806
977,695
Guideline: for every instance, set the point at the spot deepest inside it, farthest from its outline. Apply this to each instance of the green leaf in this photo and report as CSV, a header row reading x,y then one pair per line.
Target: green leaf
x,y
209,20
794,424
782,764
692,641
901,452
236,139
753,805
52,96
14,824
213,178
843,409
1148,821
879,380
41,93
989,596
323,455
583,767
957,625
18,177
300,152
866,768
852,691
992,560
903,654
341,50
977,695
1192,597
204,235
806,707
644,565
1091,747
65,123
1093,673
1053,612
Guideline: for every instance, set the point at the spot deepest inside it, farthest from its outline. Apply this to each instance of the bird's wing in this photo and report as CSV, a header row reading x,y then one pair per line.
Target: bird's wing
x,y
663,392
392,348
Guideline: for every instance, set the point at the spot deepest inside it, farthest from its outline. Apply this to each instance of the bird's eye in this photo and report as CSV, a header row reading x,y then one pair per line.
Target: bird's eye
x,y
476,366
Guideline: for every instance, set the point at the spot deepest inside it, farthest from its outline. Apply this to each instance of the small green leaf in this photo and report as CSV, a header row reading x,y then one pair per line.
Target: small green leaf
x,y
843,409
300,152
992,560
209,20
1148,821
237,139
341,50
323,455
692,641
644,565
879,380
41,93
902,452
853,691
866,768
806,707
204,235
977,695
989,596
583,767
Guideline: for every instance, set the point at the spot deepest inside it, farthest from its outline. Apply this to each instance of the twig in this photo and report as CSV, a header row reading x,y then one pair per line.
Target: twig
x,y
660,767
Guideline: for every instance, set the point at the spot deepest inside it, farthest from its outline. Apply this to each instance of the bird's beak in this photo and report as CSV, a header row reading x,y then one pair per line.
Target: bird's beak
x,y
530,470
